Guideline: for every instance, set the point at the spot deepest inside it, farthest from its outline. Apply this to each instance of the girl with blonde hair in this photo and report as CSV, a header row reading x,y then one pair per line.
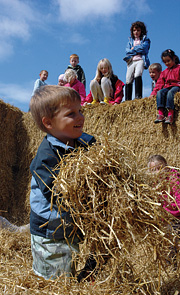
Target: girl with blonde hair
x,y
106,88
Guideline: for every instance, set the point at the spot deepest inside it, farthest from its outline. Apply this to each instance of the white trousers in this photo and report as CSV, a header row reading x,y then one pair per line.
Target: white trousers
x,y
134,70
100,91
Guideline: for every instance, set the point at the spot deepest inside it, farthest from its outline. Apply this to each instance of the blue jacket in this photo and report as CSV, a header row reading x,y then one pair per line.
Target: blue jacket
x,y
43,167
142,49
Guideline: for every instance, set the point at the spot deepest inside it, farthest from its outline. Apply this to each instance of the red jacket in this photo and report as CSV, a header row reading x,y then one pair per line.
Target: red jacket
x,y
168,78
117,97
79,87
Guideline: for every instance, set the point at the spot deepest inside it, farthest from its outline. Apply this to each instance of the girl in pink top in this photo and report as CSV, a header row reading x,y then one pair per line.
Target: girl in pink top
x,y
158,164
166,87
71,77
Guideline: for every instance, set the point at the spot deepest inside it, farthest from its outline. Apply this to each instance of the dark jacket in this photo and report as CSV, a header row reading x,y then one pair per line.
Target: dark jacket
x,y
43,169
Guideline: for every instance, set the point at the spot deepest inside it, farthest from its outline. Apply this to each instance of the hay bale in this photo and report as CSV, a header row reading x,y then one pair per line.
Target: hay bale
x,y
29,138
9,117
20,139
120,215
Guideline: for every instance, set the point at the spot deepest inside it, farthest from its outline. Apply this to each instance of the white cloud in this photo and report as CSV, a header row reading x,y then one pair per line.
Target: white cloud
x,y
15,92
77,11
16,19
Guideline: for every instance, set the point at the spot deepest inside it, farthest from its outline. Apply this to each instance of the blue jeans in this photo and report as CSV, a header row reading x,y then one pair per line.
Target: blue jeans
x,y
165,97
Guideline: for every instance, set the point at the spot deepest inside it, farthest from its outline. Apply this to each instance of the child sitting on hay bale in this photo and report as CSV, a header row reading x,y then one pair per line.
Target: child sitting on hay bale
x,y
105,88
167,86
57,111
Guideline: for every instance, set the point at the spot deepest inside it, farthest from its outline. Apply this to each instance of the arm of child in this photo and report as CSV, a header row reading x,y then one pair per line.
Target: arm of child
x,y
45,172
142,48
159,84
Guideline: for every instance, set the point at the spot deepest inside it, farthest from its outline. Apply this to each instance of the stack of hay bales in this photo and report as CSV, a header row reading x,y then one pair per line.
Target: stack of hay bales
x,y
111,197
130,123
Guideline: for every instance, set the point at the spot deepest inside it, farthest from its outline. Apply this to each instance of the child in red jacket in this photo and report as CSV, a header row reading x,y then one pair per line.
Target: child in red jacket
x,y
105,88
167,86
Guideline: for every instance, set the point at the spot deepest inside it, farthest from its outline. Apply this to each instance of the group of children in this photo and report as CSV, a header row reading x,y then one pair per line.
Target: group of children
x,y
57,111
106,88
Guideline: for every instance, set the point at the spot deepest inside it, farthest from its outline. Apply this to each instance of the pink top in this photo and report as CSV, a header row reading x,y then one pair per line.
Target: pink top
x,y
137,41
79,87
172,205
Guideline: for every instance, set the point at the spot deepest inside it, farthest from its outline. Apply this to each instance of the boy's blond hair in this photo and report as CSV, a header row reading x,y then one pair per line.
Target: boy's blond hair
x,y
48,100
44,71
74,55
69,75
156,66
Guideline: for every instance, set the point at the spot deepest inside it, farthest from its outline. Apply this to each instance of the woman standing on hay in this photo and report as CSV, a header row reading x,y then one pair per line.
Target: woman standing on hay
x,y
167,86
56,111
105,88
137,59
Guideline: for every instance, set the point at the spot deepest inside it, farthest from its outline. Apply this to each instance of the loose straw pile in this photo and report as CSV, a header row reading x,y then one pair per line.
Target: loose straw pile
x,y
119,214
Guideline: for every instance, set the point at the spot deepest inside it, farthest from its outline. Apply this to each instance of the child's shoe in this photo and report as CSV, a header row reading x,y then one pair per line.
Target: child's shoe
x,y
160,118
106,100
169,119
94,101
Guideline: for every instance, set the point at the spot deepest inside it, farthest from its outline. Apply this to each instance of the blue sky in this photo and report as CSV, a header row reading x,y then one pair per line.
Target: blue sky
x,y
41,34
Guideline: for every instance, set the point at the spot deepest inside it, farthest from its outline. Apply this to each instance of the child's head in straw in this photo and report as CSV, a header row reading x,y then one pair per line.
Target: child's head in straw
x,y
156,163
57,111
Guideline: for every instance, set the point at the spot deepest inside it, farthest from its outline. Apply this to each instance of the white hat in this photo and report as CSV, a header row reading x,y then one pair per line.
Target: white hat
x,y
61,77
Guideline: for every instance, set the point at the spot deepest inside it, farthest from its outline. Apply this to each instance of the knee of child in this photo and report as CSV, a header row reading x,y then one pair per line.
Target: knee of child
x,y
93,83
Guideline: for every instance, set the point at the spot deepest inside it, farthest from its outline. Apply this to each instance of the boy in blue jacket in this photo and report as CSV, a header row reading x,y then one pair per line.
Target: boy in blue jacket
x,y
56,111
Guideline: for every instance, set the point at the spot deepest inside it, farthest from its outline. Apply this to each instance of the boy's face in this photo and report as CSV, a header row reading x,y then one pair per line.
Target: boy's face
x,y
74,61
43,76
154,74
68,123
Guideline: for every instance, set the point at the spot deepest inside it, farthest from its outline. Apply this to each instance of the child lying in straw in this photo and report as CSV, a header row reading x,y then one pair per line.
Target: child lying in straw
x,y
170,197
5,224
56,111
157,164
